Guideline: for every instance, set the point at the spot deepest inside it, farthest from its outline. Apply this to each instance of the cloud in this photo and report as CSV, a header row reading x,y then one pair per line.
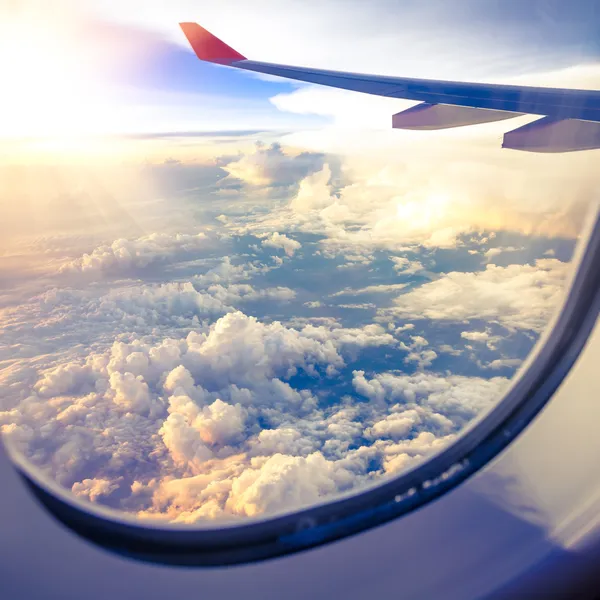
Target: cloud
x,y
63,379
482,337
283,481
280,240
93,489
234,294
516,296
448,349
189,431
388,204
314,194
314,304
126,255
167,401
418,352
285,440
395,426
457,398
238,361
404,266
130,392
207,426
489,254
475,336
363,306
401,455
66,321
418,341
423,358
504,363
272,166
361,337
227,272
371,289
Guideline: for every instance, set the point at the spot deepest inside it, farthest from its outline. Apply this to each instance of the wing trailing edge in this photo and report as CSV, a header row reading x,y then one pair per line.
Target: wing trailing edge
x,y
427,116
552,135
571,117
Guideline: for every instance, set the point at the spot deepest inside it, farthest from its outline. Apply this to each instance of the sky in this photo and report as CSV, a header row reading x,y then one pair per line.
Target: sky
x,y
225,296
113,67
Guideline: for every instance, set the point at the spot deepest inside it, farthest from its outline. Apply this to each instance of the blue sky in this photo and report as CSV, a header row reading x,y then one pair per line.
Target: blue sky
x,y
134,57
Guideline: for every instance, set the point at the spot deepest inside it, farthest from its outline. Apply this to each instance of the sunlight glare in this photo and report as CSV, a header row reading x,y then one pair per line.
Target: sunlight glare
x,y
46,89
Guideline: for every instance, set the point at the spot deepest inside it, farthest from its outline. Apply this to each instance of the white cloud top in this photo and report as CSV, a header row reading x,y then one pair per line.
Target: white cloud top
x,y
517,296
279,240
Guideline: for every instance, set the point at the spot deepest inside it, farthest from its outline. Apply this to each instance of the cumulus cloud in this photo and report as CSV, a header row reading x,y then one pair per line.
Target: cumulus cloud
x,y
418,352
234,294
285,440
457,398
384,201
363,306
63,379
226,272
126,255
314,193
489,254
517,296
484,337
280,240
207,426
314,304
273,166
475,336
404,266
283,481
92,489
371,289
189,431
400,455
504,363
395,426
448,349
83,313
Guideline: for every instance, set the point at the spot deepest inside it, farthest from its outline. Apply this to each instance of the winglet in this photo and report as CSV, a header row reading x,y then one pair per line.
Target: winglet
x,y
209,47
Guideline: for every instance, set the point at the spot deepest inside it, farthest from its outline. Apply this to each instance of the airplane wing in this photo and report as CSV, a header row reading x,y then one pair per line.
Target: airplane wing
x,y
570,118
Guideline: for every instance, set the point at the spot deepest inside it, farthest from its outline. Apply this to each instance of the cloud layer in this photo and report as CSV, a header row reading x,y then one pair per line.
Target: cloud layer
x,y
313,327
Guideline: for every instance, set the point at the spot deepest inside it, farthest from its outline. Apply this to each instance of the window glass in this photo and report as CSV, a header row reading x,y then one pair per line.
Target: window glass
x,y
225,296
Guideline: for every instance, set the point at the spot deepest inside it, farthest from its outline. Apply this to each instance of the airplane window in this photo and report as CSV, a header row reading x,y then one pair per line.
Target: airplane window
x,y
229,295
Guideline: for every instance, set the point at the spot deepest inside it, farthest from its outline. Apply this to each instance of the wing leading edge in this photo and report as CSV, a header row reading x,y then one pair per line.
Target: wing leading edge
x,y
571,118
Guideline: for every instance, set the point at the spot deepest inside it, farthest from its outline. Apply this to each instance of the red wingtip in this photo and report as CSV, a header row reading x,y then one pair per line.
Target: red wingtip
x,y
208,47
